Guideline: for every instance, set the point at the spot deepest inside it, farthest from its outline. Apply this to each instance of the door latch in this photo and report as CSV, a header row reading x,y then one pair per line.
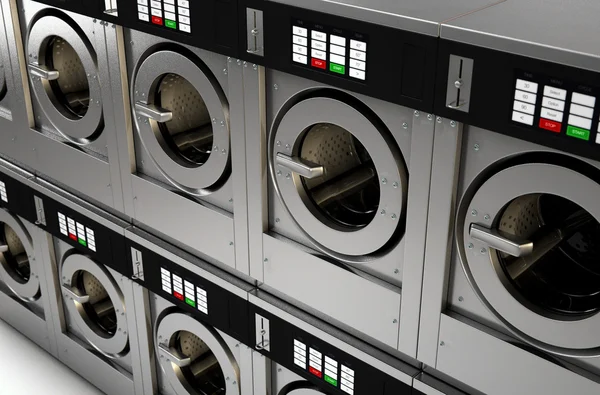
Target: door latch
x,y
262,333
254,32
39,211
460,79
138,265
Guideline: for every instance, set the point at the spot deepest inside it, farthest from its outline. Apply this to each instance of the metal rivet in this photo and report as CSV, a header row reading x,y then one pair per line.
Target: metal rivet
x,y
442,343
438,119
225,71
382,212
395,321
453,124
395,185
483,250
486,217
278,172
231,243
287,146
288,176
430,117
404,125
396,271
229,59
384,180
231,200
458,84
278,143
266,260
275,86
277,220
470,246
474,213
461,299
224,151
239,62
394,216
417,113
476,147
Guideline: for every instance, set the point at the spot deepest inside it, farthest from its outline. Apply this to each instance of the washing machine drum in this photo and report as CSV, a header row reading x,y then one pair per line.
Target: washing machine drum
x,y
195,358
64,78
340,175
95,303
301,388
182,118
531,244
18,270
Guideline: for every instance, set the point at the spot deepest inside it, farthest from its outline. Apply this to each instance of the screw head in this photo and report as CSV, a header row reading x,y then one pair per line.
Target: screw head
x,y
266,260
395,185
404,125
225,71
275,86
438,119
384,181
458,84
278,172
483,250
476,147
474,213
461,299
288,176
277,220
396,271
394,216
395,321
453,124
486,217
470,246
239,62
442,343
429,117
278,143
382,212
255,67
231,243
417,113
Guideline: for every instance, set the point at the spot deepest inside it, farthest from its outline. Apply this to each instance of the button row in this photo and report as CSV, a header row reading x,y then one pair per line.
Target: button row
x,y
300,45
154,14
524,104
581,113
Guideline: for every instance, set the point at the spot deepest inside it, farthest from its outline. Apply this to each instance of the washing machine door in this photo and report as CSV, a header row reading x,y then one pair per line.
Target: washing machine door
x,y
182,118
63,73
96,304
18,269
301,388
194,358
340,174
529,239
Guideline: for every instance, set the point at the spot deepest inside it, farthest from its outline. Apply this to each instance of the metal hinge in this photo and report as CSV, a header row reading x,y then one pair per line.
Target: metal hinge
x,y
39,211
460,78
137,265
254,32
262,333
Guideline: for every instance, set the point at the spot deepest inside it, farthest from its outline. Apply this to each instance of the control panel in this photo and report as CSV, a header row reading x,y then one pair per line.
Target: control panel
x,y
172,14
17,198
76,231
184,290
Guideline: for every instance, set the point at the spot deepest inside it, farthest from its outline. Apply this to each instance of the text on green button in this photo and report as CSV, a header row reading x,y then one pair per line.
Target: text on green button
x,y
337,68
330,380
578,133
170,24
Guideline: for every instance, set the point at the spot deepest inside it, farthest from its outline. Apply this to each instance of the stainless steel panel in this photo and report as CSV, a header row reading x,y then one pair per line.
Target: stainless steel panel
x,y
506,369
140,311
364,305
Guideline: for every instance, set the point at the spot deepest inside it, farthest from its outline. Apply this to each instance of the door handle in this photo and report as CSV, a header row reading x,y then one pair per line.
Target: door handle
x,y
303,168
43,72
75,296
497,241
182,363
153,112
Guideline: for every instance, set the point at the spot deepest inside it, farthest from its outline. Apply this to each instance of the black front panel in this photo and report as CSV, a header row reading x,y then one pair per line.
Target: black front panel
x,y
17,198
208,302
331,369
92,8
389,64
89,237
542,102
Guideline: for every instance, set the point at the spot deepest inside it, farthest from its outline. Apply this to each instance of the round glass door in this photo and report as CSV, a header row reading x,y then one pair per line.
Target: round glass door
x,y
194,358
182,120
341,177
529,243
96,303
65,78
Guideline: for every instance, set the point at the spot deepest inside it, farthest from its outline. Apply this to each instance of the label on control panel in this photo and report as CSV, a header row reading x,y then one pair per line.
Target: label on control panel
x,y
172,14
184,290
77,232
329,49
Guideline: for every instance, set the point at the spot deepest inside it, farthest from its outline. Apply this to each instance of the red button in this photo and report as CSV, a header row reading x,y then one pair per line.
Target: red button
x,y
156,20
178,295
550,125
318,63
315,372
72,236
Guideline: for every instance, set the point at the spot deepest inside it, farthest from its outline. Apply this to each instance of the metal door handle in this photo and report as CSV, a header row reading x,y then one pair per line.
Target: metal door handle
x,y
153,112
182,363
495,240
3,248
76,297
42,72
305,169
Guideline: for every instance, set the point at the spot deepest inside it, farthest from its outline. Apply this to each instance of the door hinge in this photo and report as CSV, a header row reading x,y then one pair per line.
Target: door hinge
x,y
262,333
39,211
137,265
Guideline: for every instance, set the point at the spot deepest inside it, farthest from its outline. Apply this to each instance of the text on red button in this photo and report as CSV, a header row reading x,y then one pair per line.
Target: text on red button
x,y
552,126
318,63
315,371
157,20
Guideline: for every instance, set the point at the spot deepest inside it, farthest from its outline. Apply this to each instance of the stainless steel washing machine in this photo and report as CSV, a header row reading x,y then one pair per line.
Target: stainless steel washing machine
x,y
71,129
93,304
188,148
339,158
192,319
512,290
425,384
301,355
24,284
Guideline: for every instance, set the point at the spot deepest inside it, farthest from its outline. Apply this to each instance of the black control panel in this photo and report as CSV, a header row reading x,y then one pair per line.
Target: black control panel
x,y
542,102
92,8
17,198
331,369
207,301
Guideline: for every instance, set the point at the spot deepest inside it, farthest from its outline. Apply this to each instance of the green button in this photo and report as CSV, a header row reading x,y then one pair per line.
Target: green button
x,y
190,302
578,133
337,68
170,24
331,381
82,242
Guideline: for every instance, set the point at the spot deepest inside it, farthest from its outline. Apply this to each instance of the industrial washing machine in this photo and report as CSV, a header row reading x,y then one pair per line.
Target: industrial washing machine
x,y
300,355
93,304
71,129
24,284
510,296
188,148
192,320
425,384
339,157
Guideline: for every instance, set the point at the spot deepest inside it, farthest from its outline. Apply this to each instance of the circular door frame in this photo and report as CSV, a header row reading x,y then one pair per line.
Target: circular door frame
x,y
87,128
29,290
112,346
570,338
388,164
175,322
300,387
196,180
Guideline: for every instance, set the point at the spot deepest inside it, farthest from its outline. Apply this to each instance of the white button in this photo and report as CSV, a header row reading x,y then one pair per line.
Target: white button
x,y
177,279
185,28
169,8
358,45
299,31
142,2
556,93
315,359
582,110
143,9
316,35
156,12
300,58
315,365
315,53
183,3
331,374
61,216
348,371
347,390
320,45
183,11
522,118
332,362
63,230
551,114
337,40
299,344
300,49
598,138
169,2
201,291
358,74
170,15
524,107
527,97
155,4
336,49
184,19
584,100
527,86
299,351
357,64
554,104
299,40
580,122
165,271
316,353
341,60
299,355
349,384
302,364
354,54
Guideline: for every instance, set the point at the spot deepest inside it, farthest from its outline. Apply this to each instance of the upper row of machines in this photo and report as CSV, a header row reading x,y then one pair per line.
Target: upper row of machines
x,y
423,176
